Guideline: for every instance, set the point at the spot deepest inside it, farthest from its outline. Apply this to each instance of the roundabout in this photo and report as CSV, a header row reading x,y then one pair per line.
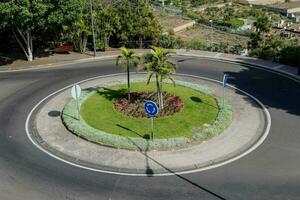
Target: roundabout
x,y
249,127
269,170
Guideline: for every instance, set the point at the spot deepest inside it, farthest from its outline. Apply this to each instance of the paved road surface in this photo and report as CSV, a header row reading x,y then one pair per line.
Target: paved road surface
x,y
270,172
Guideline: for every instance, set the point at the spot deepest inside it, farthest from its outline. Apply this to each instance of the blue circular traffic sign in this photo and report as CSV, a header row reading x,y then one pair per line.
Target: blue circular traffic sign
x,y
151,108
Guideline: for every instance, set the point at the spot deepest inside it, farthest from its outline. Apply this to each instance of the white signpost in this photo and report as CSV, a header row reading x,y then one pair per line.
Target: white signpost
x,y
76,92
225,80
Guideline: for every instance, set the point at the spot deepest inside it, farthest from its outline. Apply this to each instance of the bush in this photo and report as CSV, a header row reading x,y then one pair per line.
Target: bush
x,y
234,23
169,41
192,15
197,44
291,56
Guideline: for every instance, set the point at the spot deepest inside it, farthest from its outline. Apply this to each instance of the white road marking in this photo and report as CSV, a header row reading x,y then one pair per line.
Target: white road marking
x,y
248,151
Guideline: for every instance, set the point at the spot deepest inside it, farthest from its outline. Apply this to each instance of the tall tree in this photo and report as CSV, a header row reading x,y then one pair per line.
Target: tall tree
x,y
78,29
29,18
146,26
127,59
263,22
107,22
24,18
66,17
137,23
159,65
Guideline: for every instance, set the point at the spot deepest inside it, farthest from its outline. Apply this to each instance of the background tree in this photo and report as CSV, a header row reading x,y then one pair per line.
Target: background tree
x,y
263,22
66,19
24,18
30,20
78,30
158,64
127,59
146,26
137,24
107,22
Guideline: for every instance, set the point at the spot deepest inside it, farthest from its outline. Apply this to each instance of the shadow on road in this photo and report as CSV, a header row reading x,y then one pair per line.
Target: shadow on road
x,y
271,89
54,113
150,173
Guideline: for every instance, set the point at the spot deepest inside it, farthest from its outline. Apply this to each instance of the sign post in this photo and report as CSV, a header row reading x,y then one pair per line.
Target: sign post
x,y
75,92
151,109
225,80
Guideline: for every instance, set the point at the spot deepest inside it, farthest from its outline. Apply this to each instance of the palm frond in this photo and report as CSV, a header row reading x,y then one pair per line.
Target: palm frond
x,y
172,79
124,51
119,59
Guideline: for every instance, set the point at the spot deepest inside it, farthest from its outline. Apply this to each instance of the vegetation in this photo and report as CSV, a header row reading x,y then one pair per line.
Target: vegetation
x,y
117,23
158,65
174,131
198,110
135,107
26,19
128,58
274,48
169,41
36,27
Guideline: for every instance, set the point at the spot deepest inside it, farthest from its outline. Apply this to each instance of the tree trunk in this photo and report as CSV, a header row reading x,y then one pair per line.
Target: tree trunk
x,y
28,47
128,81
158,92
161,96
80,43
141,42
85,38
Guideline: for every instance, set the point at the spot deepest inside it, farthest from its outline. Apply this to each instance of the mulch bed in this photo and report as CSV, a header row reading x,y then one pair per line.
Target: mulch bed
x,y
135,108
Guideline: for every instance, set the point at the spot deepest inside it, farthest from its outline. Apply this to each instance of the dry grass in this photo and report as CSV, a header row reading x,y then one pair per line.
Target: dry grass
x,y
212,36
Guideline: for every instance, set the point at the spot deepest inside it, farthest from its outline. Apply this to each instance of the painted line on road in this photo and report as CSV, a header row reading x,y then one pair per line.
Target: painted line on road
x,y
248,151
278,66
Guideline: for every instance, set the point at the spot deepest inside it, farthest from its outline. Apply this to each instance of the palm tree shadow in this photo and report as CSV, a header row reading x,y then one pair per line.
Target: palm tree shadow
x,y
198,100
108,93
128,129
150,173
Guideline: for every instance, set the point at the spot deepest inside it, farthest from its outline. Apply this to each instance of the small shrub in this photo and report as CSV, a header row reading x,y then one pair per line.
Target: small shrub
x,y
197,44
291,56
135,108
169,41
234,23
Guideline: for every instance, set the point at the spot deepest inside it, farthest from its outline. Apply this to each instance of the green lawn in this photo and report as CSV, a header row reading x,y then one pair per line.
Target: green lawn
x,y
98,112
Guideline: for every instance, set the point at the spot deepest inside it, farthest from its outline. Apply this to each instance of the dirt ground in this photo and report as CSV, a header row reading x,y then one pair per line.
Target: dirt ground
x,y
212,36
172,22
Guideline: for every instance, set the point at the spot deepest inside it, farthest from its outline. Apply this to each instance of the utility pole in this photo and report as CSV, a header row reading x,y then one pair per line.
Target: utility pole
x,y
211,34
93,31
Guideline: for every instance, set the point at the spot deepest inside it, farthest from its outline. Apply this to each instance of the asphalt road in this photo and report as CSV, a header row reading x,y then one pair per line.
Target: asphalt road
x,y
272,171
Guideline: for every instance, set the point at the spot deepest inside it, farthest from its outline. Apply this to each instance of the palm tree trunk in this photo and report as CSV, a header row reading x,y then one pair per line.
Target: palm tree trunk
x,y
158,91
161,96
128,82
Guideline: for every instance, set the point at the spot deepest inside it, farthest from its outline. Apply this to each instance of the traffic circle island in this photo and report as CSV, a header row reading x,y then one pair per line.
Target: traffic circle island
x,y
247,126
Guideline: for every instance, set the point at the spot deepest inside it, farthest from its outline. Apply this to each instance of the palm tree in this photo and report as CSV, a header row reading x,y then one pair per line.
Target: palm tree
x,y
158,64
127,59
